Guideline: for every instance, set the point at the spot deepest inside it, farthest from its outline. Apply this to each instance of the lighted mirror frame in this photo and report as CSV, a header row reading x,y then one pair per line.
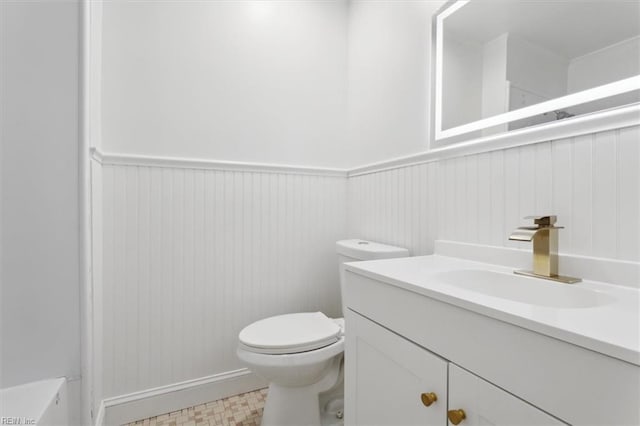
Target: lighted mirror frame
x,y
456,134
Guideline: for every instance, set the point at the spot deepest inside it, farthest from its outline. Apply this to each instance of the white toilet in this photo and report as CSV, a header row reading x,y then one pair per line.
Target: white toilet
x,y
301,354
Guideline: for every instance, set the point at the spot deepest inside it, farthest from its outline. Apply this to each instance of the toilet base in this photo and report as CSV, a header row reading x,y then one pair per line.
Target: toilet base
x,y
291,407
332,407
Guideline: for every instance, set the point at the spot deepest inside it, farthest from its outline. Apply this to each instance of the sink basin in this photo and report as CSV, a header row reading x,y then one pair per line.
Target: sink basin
x,y
522,289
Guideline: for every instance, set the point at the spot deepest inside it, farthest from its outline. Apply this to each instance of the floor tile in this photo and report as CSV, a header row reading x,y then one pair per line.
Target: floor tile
x,y
238,410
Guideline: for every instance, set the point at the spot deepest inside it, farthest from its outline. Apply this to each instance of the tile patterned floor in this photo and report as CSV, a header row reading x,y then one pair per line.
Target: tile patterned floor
x,y
239,410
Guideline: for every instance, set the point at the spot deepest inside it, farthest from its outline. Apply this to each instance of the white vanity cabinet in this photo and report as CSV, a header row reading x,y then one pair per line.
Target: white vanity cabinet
x,y
395,382
401,343
485,404
389,377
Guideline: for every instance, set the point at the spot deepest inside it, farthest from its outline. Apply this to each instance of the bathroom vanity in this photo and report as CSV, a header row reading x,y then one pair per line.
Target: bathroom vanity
x,y
436,339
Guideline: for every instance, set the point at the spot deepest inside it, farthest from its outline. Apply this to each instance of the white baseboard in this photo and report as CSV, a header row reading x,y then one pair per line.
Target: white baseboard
x,y
152,402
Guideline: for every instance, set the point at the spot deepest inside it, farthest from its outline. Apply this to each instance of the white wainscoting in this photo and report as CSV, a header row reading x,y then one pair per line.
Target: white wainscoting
x,y
591,182
190,256
191,252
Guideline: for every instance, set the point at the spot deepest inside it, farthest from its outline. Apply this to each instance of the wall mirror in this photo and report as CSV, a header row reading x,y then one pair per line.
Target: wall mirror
x,y
503,65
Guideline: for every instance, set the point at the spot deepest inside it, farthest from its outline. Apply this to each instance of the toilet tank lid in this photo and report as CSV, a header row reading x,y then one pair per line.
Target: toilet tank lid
x,y
368,250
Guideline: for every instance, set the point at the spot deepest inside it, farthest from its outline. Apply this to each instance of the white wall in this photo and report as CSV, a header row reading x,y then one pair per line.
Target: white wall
x,y
535,74
622,60
461,83
389,69
192,256
39,325
260,81
619,61
591,182
495,92
536,69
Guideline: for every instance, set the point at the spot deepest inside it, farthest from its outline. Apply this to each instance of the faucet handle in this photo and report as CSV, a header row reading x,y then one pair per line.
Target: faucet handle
x,y
543,220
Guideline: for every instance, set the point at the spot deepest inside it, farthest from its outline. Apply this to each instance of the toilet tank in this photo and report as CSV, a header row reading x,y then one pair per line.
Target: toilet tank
x,y
356,250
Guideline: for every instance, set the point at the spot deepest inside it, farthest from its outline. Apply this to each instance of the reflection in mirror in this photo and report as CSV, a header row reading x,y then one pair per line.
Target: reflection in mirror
x,y
499,56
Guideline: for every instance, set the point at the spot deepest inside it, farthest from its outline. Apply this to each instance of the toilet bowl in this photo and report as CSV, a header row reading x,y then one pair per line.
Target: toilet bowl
x,y
301,354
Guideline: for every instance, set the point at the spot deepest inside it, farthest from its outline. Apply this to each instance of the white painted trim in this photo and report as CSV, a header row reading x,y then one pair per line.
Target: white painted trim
x,y
152,402
612,271
100,415
193,163
84,215
598,122
96,155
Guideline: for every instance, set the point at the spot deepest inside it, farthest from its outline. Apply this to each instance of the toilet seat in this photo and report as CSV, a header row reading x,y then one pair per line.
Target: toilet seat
x,y
290,360
290,334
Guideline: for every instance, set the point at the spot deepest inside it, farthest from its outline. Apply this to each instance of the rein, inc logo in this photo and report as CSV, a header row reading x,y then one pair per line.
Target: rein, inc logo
x,y
17,421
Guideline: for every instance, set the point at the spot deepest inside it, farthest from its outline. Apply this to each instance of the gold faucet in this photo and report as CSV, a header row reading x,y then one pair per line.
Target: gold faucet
x,y
545,248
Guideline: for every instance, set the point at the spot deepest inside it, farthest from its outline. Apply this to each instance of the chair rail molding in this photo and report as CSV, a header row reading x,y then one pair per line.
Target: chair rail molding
x,y
113,159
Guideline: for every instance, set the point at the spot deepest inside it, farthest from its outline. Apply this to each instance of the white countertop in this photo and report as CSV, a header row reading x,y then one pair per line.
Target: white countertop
x,y
612,329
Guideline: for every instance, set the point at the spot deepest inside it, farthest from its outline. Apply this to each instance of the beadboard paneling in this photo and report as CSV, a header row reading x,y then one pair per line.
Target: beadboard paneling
x,y
397,207
192,256
591,182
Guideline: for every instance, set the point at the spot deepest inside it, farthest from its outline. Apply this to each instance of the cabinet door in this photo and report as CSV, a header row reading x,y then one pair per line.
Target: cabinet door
x,y
386,376
485,404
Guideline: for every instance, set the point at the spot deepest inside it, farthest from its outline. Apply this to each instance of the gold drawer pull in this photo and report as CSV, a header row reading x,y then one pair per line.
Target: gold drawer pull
x,y
456,416
428,398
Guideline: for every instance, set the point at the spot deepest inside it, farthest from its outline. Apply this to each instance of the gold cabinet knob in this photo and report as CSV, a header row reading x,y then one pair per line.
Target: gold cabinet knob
x,y
456,416
428,398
